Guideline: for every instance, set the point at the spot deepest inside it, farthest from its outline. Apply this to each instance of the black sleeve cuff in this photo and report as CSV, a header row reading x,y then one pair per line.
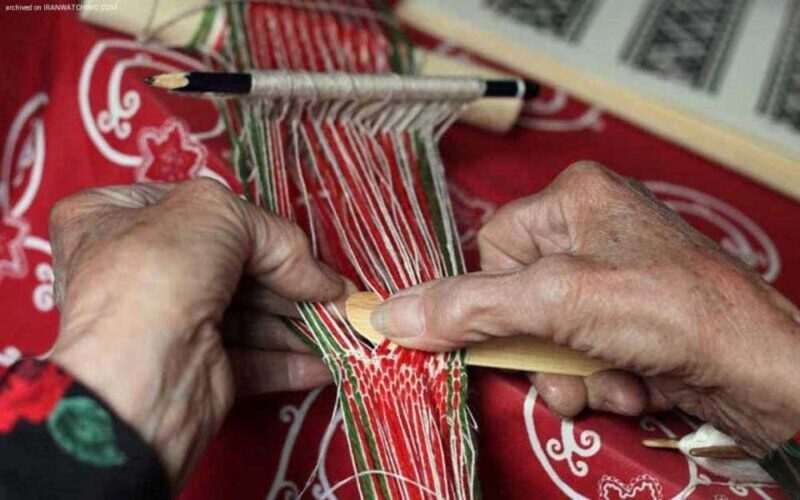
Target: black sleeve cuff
x,y
67,443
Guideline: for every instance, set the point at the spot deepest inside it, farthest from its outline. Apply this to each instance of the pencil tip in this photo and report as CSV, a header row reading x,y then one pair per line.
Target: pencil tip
x,y
168,81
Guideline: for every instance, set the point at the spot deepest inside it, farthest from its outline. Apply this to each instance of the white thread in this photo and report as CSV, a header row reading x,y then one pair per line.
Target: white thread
x,y
383,473
362,88
359,155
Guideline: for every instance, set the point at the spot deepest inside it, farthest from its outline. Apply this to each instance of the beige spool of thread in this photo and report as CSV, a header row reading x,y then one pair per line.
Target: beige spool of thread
x,y
175,23
192,23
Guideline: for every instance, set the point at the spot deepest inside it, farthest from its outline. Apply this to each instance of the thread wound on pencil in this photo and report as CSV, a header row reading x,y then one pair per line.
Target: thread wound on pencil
x,y
362,87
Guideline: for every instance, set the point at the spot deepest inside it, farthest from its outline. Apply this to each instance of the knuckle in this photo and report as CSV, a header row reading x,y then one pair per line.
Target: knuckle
x,y
460,307
511,219
560,281
209,200
587,168
507,215
286,235
295,236
591,178
560,289
65,210
203,190
486,232
488,235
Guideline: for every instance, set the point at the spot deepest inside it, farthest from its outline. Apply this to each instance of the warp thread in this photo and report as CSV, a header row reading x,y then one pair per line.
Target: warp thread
x,y
363,176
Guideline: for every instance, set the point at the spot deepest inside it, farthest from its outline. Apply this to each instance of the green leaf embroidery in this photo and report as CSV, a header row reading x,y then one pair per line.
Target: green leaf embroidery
x,y
82,428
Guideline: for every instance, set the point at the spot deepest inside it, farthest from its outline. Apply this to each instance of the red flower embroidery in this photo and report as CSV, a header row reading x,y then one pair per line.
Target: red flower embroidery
x,y
13,232
30,390
169,153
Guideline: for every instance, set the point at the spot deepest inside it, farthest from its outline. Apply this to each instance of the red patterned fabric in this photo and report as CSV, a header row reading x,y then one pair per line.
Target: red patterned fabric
x,y
75,114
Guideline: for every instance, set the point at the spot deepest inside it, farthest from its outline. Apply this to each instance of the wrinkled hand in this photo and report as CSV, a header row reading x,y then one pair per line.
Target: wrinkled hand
x,y
596,263
144,277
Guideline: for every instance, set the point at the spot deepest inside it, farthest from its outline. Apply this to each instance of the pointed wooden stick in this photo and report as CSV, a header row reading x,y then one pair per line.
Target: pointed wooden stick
x,y
671,443
517,353
728,452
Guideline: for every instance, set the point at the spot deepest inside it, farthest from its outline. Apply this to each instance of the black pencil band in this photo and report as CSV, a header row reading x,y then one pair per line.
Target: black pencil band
x,y
511,88
222,83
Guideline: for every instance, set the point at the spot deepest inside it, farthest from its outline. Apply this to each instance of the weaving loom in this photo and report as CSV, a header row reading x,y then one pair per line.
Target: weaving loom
x,y
365,181
70,77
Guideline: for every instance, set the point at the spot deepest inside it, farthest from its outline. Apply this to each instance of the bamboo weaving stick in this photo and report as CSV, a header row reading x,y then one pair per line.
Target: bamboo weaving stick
x,y
517,353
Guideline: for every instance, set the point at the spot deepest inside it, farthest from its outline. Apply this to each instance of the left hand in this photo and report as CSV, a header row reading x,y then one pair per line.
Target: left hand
x,y
148,279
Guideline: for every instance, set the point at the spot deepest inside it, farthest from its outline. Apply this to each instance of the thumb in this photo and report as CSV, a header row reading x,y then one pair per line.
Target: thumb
x,y
452,313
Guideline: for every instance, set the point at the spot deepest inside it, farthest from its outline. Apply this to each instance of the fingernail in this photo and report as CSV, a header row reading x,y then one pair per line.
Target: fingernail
x,y
349,287
340,302
400,317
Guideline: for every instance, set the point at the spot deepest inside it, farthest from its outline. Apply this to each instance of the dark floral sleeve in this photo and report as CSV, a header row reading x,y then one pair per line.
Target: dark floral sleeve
x,y
783,465
59,440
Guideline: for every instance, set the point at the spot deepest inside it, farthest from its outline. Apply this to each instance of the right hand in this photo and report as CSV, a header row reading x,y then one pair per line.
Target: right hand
x,y
595,262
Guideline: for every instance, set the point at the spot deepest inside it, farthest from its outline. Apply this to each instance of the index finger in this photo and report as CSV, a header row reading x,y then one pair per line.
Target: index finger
x,y
281,259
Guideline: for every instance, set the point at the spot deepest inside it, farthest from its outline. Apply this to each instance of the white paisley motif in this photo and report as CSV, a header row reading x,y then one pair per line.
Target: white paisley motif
x,y
43,298
744,490
648,423
31,156
533,437
296,416
588,445
122,106
743,237
590,119
323,490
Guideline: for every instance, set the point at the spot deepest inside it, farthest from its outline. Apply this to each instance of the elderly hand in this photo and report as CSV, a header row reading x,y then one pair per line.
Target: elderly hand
x,y
144,277
596,263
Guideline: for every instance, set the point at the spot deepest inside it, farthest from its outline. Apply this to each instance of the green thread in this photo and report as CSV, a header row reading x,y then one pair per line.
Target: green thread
x,y
200,36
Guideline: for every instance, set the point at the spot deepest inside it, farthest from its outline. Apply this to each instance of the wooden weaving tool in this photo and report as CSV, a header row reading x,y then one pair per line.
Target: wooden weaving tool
x,y
729,452
517,353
